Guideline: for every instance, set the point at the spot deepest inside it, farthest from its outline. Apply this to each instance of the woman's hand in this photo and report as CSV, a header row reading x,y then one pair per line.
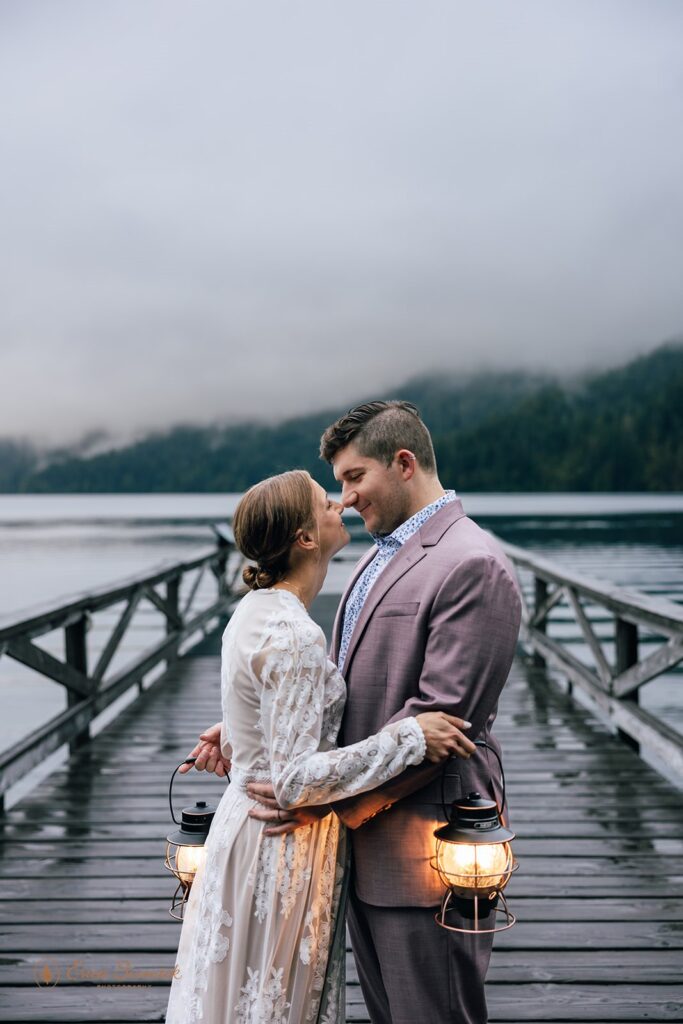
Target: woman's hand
x,y
444,737
208,753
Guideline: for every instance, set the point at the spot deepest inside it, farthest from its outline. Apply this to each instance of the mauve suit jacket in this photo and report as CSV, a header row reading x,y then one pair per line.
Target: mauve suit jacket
x,y
437,632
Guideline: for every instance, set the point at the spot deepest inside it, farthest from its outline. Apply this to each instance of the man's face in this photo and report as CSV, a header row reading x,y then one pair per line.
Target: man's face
x,y
376,491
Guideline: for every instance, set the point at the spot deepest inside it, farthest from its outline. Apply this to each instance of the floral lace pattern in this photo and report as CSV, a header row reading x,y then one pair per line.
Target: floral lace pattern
x,y
282,867
263,937
263,1002
291,667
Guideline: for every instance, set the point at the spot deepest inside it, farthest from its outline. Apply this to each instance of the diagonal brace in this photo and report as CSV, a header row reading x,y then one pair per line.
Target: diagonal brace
x,y
34,657
541,612
163,606
116,636
664,658
604,671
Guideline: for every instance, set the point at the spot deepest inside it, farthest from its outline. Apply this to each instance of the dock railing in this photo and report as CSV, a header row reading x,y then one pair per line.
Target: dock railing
x,y
631,637
91,689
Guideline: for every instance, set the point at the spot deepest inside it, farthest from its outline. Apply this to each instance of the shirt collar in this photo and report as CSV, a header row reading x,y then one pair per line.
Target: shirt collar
x,y
401,534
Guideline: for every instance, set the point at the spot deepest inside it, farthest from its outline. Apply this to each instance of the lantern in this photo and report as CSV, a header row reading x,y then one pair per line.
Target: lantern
x,y
185,847
474,861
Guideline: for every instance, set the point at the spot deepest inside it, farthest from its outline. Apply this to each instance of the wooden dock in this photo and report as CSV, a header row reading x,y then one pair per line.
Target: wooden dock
x,y
84,896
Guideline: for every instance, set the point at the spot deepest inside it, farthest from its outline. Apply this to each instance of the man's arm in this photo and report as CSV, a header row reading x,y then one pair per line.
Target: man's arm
x,y
470,646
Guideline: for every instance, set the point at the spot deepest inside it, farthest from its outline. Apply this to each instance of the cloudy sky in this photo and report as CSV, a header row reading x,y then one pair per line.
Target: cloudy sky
x,y
217,209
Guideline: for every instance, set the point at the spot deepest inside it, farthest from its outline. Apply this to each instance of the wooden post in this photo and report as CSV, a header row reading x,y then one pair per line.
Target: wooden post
x,y
173,601
221,567
76,653
626,638
540,596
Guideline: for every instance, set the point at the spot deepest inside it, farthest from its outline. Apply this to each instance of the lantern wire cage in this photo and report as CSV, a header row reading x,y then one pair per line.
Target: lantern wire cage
x,y
180,896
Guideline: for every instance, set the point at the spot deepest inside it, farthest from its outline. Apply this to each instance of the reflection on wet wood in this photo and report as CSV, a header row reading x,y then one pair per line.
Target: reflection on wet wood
x,y
599,893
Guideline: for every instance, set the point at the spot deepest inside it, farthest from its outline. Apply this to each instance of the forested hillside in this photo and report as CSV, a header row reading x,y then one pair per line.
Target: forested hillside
x,y
615,431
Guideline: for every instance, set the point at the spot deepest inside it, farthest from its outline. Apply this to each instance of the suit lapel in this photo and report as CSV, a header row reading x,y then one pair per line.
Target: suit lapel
x,y
339,617
411,552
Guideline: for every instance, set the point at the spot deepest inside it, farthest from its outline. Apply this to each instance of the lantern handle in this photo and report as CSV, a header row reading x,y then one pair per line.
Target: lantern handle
x,y
477,743
483,743
188,760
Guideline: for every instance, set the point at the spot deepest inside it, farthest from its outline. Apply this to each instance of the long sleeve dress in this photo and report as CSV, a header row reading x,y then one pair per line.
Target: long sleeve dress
x,y
263,937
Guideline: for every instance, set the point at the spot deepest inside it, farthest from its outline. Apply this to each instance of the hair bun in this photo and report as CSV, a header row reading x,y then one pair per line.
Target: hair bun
x,y
258,578
265,577
249,574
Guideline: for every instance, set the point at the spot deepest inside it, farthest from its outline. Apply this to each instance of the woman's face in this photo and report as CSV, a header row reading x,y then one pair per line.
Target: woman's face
x,y
332,535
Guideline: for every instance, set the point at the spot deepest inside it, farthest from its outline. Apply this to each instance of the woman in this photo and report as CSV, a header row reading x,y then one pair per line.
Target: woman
x,y
263,936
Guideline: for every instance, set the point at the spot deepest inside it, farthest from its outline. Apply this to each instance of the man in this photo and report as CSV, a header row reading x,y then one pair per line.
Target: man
x,y
429,621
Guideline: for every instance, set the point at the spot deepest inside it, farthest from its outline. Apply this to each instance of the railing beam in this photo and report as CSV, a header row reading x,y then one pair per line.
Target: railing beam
x,y
613,688
36,622
662,616
89,695
173,619
626,640
540,619
76,652
631,721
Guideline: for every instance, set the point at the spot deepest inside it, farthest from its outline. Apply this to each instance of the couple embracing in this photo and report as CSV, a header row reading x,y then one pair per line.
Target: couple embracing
x,y
336,763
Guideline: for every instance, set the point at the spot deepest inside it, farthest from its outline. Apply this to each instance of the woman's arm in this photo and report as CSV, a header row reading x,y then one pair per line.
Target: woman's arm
x,y
291,670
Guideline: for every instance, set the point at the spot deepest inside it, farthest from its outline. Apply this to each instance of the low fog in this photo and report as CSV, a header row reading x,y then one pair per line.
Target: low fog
x,y
220,210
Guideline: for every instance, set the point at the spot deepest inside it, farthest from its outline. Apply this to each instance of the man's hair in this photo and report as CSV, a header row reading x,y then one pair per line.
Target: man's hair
x,y
379,430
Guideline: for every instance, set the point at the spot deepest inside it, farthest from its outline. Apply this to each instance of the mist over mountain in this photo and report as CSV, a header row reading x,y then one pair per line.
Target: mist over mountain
x,y
620,430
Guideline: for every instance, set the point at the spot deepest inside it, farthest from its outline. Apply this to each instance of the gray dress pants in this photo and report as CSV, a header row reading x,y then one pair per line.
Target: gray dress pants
x,y
414,972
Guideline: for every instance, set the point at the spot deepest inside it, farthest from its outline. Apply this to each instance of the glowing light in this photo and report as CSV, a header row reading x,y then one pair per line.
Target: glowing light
x,y
187,861
475,866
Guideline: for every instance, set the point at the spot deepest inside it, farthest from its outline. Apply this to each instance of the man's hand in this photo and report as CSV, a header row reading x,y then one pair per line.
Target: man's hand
x,y
208,754
282,821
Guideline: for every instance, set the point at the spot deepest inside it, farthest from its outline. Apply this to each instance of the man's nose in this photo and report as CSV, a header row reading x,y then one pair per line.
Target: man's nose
x,y
349,498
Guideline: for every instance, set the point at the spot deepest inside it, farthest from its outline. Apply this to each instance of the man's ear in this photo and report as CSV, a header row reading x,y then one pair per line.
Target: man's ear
x,y
406,463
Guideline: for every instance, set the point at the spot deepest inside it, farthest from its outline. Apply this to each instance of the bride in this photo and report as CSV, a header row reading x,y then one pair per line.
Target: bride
x,y
263,937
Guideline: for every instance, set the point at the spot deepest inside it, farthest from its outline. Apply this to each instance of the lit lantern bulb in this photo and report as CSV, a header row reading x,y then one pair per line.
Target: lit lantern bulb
x,y
475,866
187,862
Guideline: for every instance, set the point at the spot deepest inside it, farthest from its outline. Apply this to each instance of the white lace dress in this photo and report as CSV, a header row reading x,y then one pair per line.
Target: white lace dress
x,y
263,936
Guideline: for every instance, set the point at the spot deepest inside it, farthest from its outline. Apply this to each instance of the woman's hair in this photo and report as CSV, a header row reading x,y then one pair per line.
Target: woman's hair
x,y
266,523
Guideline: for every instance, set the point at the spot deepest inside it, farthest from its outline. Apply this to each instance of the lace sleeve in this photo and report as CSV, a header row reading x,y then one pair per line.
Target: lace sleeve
x,y
226,745
291,669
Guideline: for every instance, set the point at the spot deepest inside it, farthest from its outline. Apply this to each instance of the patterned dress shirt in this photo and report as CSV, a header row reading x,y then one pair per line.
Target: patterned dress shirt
x,y
387,547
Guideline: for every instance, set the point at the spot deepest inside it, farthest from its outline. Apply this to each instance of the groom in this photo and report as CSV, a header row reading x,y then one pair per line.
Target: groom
x,y
428,622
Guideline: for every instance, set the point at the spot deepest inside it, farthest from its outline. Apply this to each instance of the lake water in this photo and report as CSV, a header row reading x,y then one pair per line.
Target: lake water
x,y
57,545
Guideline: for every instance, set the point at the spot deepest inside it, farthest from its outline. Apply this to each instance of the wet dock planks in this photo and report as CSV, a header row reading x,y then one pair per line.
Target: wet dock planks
x,y
599,894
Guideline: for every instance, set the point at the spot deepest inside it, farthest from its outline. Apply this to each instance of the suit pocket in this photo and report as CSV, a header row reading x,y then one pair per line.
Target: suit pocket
x,y
432,792
405,608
